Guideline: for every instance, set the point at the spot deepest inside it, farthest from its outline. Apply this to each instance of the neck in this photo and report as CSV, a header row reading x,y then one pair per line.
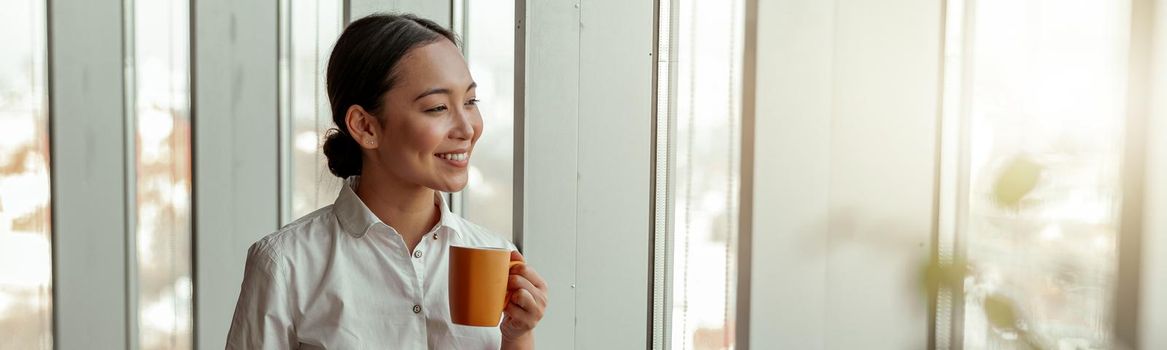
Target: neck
x,y
407,208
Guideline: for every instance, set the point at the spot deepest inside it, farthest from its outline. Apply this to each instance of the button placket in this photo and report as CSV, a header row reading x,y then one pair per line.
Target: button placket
x,y
418,274
419,265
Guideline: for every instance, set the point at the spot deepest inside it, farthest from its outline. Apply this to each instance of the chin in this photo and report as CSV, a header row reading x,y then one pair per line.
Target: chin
x,y
450,186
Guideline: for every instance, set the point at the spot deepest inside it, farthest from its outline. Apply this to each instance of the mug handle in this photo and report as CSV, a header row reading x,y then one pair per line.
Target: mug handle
x,y
510,266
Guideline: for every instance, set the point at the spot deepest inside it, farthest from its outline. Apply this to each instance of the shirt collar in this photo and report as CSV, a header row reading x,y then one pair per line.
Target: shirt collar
x,y
356,219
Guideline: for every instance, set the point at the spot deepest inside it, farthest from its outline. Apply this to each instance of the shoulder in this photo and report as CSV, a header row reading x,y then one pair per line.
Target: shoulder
x,y
280,248
475,235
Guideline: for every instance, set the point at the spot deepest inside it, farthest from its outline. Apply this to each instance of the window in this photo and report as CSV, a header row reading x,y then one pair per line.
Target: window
x,y
160,98
25,238
308,30
702,77
1041,107
489,44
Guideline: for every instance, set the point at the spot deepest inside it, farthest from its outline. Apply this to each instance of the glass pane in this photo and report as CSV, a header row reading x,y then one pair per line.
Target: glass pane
x,y
25,238
161,101
1045,149
312,27
490,50
707,139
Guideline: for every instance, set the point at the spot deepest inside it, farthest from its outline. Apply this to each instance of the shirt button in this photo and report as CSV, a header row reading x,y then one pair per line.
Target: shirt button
x,y
417,254
417,309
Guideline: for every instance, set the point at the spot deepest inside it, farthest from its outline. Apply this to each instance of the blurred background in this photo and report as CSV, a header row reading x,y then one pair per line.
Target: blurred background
x,y
774,174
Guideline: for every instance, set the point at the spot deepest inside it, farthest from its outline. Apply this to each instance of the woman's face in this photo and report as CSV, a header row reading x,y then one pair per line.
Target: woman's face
x,y
430,120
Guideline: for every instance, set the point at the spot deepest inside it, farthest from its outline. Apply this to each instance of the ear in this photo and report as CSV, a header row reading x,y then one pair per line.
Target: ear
x,y
364,127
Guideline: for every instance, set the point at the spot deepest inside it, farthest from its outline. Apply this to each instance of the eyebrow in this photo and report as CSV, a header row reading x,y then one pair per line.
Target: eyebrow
x,y
434,91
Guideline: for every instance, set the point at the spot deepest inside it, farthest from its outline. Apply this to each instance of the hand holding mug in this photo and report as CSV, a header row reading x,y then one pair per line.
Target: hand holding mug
x,y
527,300
486,283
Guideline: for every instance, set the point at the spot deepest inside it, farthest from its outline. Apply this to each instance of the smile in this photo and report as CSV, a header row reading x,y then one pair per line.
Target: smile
x,y
457,160
453,156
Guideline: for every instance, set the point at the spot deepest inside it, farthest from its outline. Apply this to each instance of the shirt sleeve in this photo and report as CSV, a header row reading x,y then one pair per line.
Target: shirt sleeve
x,y
263,314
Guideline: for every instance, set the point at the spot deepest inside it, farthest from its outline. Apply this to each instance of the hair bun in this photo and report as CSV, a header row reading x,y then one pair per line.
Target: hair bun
x,y
343,153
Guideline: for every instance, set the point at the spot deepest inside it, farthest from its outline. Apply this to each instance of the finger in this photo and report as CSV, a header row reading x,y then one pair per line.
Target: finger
x,y
517,283
514,310
531,275
516,256
523,300
518,318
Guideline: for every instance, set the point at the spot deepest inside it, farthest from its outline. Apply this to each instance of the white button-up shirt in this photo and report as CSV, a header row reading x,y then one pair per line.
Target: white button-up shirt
x,y
339,278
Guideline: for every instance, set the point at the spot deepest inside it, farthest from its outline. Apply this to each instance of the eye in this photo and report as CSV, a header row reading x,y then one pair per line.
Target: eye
x,y
473,102
438,109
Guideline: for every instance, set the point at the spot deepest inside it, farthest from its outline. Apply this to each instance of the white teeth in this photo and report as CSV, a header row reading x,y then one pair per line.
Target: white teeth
x,y
453,156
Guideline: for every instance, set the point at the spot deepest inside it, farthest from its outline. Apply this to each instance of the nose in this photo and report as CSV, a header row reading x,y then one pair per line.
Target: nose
x,y
463,125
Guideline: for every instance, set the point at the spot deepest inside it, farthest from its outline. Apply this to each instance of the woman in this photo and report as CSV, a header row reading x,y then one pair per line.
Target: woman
x,y
370,270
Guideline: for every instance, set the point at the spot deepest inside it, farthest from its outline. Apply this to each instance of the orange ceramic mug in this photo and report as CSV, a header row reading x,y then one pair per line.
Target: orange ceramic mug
x,y
478,284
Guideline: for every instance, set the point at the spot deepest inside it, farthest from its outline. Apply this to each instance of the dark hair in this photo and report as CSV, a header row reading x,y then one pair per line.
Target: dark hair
x,y
361,69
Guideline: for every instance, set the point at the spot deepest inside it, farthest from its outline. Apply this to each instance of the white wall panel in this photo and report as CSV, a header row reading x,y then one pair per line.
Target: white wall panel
x,y
792,136
846,112
614,213
1153,303
546,199
89,172
235,151
585,182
